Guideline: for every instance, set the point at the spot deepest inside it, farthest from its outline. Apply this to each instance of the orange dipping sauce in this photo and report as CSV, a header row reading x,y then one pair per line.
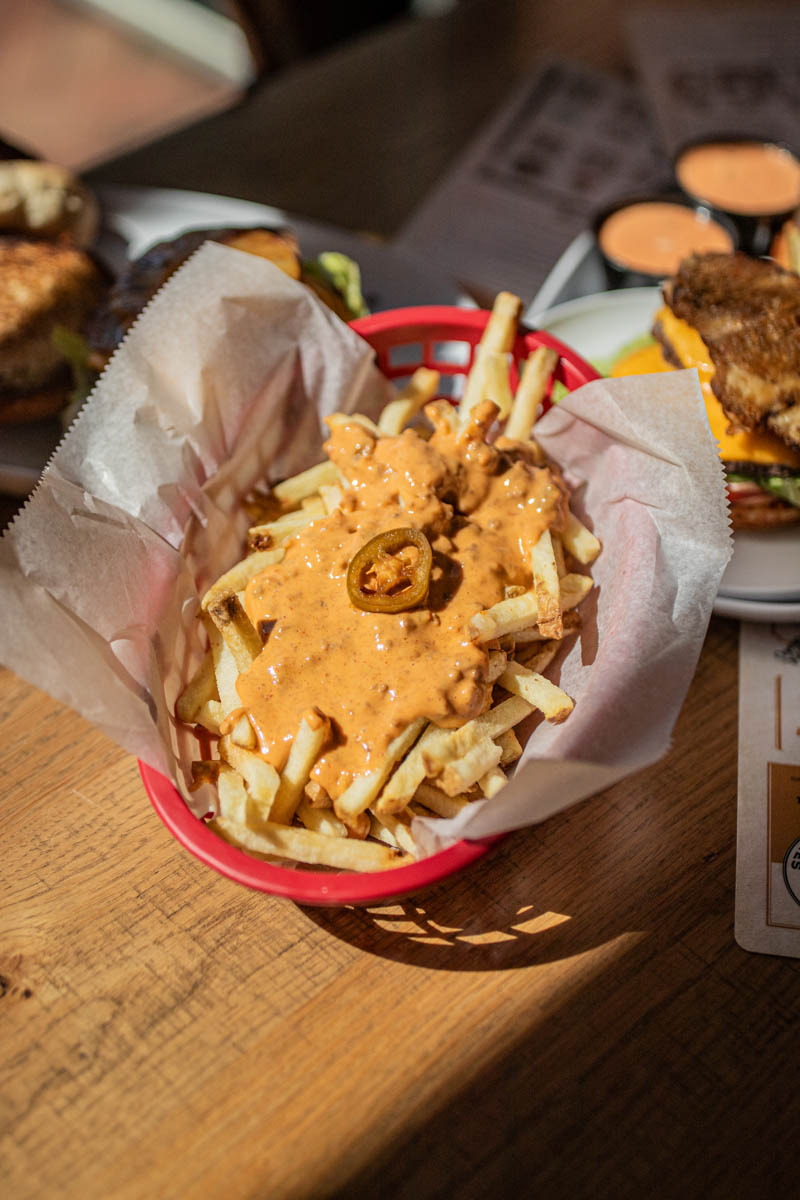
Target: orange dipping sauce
x,y
654,236
746,178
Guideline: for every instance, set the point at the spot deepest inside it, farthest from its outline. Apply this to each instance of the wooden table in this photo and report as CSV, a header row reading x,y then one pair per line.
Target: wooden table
x,y
572,1017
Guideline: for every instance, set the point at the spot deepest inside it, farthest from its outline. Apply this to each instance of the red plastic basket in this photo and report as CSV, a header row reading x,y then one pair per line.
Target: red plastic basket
x,y
403,339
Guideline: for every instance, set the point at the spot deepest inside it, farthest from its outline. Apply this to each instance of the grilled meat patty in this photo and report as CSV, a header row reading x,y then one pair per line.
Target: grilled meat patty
x,y
747,311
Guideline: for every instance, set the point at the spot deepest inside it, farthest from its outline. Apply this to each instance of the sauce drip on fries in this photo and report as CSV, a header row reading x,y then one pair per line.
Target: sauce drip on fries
x,y
481,506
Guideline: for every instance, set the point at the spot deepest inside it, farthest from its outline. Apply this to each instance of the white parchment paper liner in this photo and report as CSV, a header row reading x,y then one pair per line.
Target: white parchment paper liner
x,y
224,381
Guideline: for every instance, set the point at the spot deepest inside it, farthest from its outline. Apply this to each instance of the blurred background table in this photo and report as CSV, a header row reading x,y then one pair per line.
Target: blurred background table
x,y
571,1018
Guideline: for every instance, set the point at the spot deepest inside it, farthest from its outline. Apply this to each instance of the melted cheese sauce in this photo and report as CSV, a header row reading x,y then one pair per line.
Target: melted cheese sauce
x,y
481,506
655,237
692,351
748,178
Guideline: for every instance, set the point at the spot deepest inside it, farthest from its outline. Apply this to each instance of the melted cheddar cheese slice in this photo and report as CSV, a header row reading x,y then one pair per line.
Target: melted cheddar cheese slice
x,y
691,350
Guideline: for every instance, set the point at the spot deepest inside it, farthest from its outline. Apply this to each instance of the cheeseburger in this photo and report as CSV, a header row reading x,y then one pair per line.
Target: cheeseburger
x,y
737,320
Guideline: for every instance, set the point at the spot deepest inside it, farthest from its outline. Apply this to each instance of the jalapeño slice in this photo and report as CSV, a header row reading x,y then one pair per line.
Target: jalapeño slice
x,y
381,578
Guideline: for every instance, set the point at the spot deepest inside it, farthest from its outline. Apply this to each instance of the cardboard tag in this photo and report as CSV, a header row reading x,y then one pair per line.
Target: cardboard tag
x,y
768,840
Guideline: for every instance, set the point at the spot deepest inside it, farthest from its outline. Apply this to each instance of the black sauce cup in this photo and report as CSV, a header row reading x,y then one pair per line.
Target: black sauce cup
x,y
754,231
620,274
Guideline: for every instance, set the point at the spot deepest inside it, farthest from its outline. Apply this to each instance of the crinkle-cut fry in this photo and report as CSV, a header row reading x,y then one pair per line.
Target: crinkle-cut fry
x,y
580,541
363,791
538,691
492,782
232,794
510,747
353,419
308,846
320,820
201,688
570,621
312,733
511,616
547,586
314,505
420,389
260,777
497,385
461,773
209,715
400,831
235,626
275,533
498,338
299,487
331,495
530,392
237,578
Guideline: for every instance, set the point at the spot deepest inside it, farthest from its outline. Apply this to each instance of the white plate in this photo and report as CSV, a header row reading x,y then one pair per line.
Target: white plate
x,y
765,566
135,218
776,612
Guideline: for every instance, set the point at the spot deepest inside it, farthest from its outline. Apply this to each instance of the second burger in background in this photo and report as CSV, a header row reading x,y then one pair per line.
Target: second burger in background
x,y
737,320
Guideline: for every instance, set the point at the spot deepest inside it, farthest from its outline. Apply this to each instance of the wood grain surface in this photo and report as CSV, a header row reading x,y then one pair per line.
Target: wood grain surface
x,y
570,1017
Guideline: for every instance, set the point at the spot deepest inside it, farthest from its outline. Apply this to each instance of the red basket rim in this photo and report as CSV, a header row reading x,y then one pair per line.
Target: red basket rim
x,y
316,887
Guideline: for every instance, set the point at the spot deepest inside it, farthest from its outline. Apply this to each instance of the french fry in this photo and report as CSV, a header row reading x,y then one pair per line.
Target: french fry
x,y
547,587
530,393
496,382
320,820
361,793
400,832
538,691
232,794
234,624
461,773
314,505
580,541
275,533
331,497
380,832
209,715
260,777
538,656
204,770
570,621
308,846
498,338
312,733
510,616
353,419
492,782
509,746
299,487
420,389
497,664
201,688
439,802
558,555
237,578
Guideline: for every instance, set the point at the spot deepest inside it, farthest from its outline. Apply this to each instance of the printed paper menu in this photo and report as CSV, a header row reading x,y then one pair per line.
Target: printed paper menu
x,y
768,850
